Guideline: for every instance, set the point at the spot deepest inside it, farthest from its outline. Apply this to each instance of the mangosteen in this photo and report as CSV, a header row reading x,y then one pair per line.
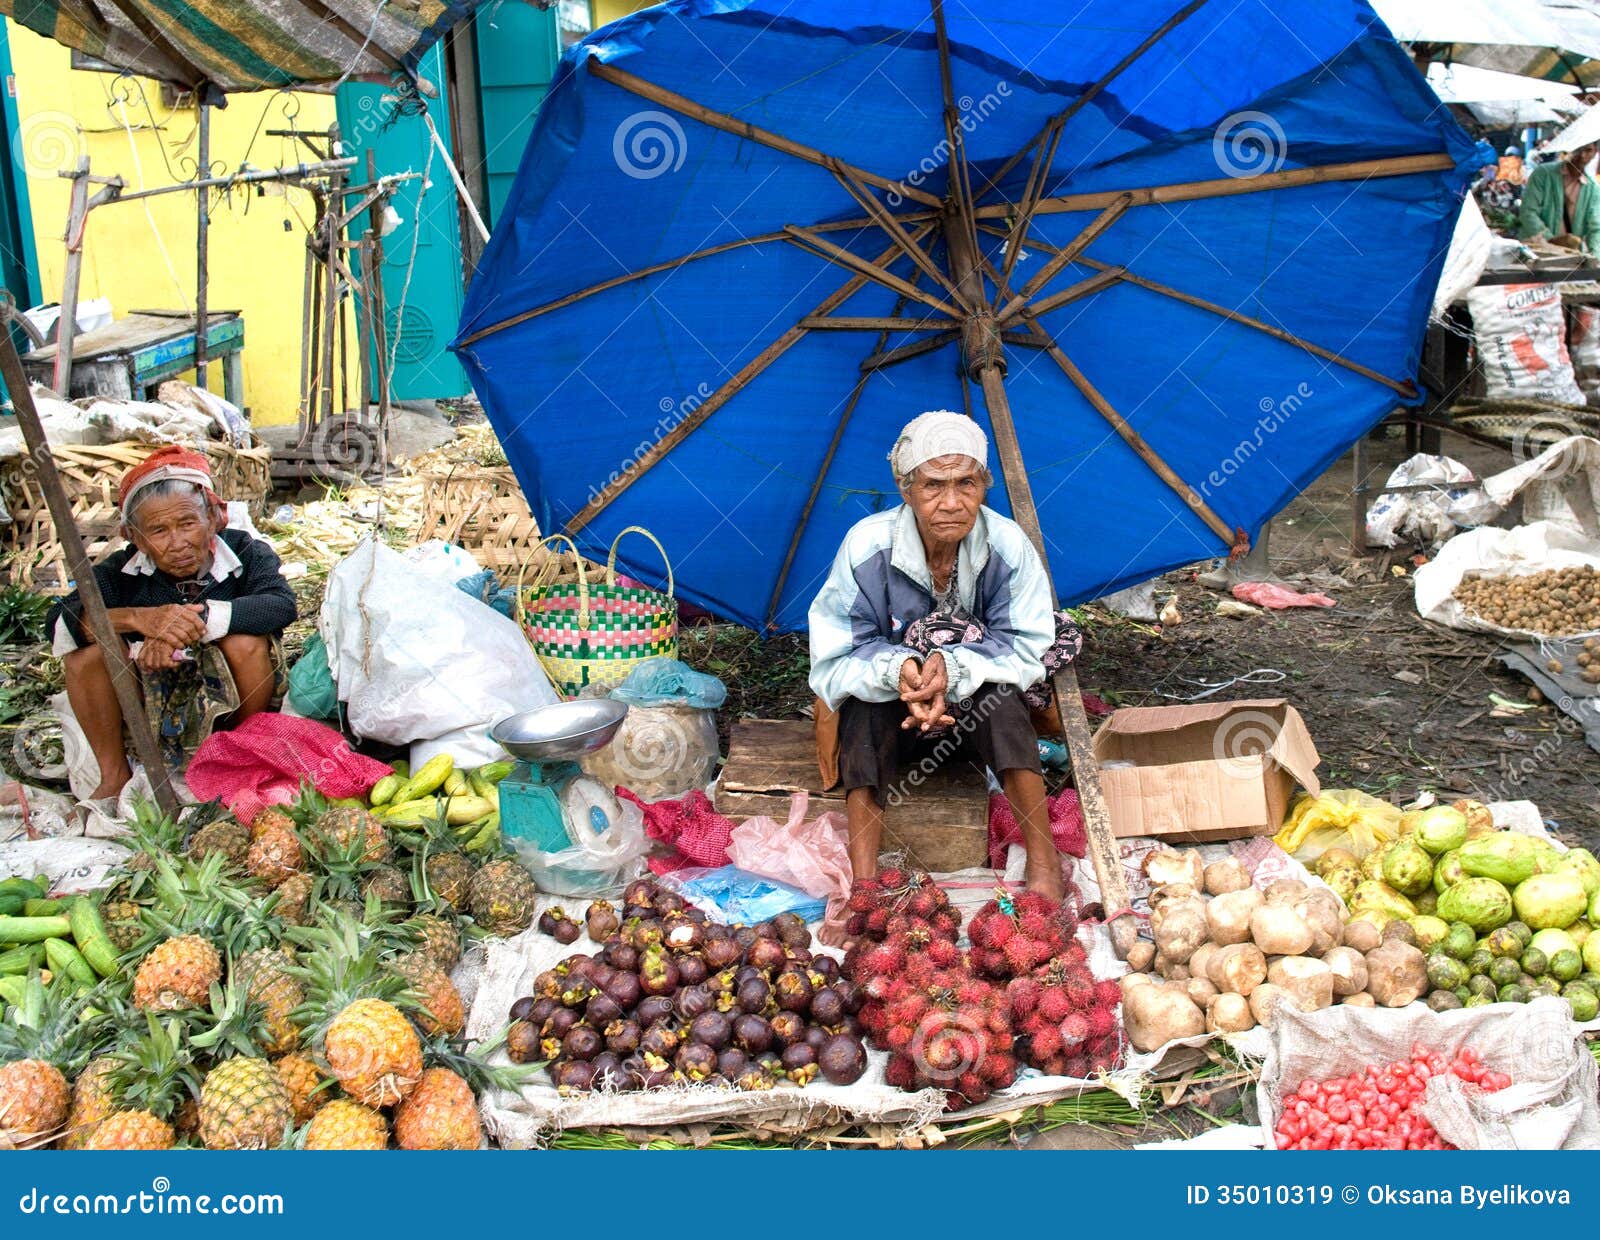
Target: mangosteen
x,y
669,902
624,956
854,997
685,936
744,973
660,1039
755,1077
816,1037
799,956
634,1071
522,1041
599,970
522,1009
843,1059
573,1075
696,1060
771,1061
691,1001
827,1006
624,989
635,913
712,1028
792,929
798,1056
622,1037
641,891
658,973
752,1034
731,1062
692,970
753,995
549,985
656,1078
793,990
602,1009
578,992
722,952
788,1027
827,966
766,955
648,933
566,931
744,936
765,930
559,1021
601,920
547,921
575,965
582,1042
541,1011
608,1072
651,1009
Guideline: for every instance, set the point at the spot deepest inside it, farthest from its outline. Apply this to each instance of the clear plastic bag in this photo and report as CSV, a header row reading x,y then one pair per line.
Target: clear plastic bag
x,y
729,894
609,846
656,682
659,752
810,855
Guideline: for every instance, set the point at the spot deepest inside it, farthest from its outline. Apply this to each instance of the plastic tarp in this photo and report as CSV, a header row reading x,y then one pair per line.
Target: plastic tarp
x,y
612,183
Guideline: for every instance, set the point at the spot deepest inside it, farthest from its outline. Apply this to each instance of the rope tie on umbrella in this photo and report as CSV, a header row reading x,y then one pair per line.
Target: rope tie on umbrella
x,y
981,345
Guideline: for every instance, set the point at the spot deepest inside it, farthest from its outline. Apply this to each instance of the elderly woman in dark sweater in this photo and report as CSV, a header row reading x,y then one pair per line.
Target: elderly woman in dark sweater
x,y
201,606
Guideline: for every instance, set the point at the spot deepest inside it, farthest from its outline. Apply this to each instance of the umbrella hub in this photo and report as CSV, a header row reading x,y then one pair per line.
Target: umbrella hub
x,y
981,346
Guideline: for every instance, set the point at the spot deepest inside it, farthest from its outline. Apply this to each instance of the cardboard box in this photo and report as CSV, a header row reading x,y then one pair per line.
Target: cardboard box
x,y
1211,771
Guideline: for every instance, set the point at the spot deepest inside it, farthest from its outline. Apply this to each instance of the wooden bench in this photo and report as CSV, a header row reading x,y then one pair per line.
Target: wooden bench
x,y
131,357
942,823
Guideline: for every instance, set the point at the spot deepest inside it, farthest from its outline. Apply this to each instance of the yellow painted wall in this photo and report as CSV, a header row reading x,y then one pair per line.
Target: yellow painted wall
x,y
609,10
141,255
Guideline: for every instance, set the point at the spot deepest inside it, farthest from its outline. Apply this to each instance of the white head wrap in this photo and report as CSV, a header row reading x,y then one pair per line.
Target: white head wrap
x,y
939,433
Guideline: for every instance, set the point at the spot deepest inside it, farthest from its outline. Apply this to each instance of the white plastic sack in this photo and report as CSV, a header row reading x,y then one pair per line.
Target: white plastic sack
x,y
1470,246
659,752
71,863
1560,484
1428,516
1583,344
414,658
1500,553
1521,335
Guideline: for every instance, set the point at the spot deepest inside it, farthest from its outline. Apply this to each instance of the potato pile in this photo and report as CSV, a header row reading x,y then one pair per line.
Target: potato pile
x,y
1555,603
1222,964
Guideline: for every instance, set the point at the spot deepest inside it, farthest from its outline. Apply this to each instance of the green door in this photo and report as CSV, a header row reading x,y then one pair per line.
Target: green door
x,y
19,264
518,47
422,278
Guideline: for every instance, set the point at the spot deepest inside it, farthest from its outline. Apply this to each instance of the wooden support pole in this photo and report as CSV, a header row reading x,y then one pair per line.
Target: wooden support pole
x,y
744,129
202,242
67,321
124,680
1073,292
1104,854
887,323
891,357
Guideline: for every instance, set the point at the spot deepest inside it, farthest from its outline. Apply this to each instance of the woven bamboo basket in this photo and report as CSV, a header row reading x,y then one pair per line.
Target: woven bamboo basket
x,y
482,509
90,474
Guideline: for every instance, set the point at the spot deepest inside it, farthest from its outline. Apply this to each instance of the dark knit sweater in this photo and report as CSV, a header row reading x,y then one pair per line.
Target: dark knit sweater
x,y
261,599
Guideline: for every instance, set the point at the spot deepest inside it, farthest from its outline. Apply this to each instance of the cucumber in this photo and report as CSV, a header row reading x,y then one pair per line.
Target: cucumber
x,y
11,905
89,930
67,961
383,791
33,929
42,908
21,959
27,888
12,990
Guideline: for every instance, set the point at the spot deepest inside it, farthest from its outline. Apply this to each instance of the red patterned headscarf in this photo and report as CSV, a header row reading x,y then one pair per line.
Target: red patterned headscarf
x,y
172,463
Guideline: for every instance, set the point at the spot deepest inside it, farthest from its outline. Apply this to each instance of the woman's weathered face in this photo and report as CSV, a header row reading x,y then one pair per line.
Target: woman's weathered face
x,y
175,532
945,495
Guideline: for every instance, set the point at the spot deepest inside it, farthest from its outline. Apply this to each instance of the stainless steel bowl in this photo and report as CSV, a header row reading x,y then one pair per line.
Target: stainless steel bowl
x,y
565,730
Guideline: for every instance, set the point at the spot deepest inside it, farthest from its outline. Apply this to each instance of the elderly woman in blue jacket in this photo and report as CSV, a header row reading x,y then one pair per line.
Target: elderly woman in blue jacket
x,y
935,617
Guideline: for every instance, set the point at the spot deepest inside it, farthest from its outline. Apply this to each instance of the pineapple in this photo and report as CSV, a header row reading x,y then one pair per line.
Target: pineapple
x,y
178,973
132,1130
387,885
374,1052
448,876
436,938
93,1099
502,897
305,1084
439,1114
243,1106
226,836
275,851
268,981
346,1125
122,923
45,1038
273,818
293,904
186,1120
346,828
442,1010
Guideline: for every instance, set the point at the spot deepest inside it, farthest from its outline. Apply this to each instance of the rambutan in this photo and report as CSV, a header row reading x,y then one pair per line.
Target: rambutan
x,y
924,901
872,1017
1107,993
972,1087
1022,954
898,1037
997,1041
901,1072
972,992
1034,902
1045,1040
893,878
1079,991
998,928
1072,952
1078,1066
1056,1065
944,954
877,923
855,925
990,960
1102,1021
1075,1029
1055,1004
884,960
946,924
1022,993
999,1019
864,896
920,970
998,1070
1038,926
911,1009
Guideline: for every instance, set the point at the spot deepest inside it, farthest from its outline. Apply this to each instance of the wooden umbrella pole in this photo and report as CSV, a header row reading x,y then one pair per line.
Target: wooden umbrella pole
x,y
1103,851
744,129
124,680
886,221
655,268
886,323
904,353
1228,187
747,373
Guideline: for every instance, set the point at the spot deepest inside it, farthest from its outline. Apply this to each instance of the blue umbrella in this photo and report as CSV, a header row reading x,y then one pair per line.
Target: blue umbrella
x,y
1175,258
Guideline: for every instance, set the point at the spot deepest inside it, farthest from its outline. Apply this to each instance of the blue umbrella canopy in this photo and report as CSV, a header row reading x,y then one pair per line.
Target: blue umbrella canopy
x,y
1176,257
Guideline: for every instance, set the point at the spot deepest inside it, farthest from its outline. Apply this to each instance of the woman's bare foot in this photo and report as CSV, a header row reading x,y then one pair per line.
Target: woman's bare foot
x,y
1046,881
112,783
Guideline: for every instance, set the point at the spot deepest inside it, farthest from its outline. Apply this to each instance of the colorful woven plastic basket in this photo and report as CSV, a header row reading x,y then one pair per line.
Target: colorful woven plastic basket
x,y
595,634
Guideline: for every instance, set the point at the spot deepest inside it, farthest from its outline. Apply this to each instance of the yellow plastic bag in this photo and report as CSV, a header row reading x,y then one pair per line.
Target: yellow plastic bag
x,y
1339,818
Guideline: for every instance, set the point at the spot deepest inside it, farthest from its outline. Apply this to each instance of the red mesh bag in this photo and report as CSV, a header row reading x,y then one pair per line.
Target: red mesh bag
x,y
1066,827
690,825
263,761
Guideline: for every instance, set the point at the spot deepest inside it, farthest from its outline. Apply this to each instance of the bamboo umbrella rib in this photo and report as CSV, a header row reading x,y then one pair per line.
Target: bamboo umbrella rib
x,y
1227,187
743,129
891,357
893,323
1132,437
655,268
1066,254
867,268
751,369
1083,288
886,221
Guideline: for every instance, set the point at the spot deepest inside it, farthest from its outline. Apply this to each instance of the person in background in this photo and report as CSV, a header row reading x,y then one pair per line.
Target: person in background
x,y
202,608
1561,203
1510,168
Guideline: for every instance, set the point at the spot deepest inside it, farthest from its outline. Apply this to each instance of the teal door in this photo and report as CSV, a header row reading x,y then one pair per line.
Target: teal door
x,y
422,278
518,50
